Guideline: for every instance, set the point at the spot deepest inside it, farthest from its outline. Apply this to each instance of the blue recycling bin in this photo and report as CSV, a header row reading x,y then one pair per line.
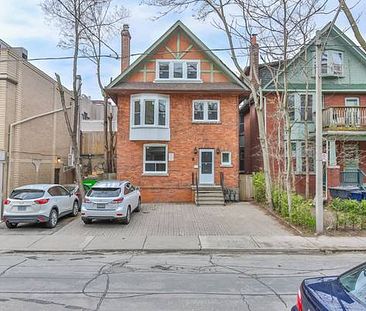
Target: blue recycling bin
x,y
356,195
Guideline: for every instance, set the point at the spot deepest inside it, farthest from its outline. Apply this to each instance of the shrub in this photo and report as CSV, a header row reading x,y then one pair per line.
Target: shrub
x,y
259,186
349,213
301,209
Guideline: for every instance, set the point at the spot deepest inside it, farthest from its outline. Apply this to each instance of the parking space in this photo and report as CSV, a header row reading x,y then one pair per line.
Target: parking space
x,y
171,220
37,229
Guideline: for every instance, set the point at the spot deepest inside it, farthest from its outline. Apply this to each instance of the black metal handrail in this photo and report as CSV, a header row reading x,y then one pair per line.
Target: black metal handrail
x,y
222,183
197,192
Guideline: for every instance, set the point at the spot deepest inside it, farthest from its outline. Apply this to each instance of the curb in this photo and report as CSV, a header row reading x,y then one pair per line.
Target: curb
x,y
196,251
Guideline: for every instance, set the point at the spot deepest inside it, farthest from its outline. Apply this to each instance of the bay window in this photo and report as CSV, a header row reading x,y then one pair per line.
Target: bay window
x,y
178,70
155,159
206,111
150,110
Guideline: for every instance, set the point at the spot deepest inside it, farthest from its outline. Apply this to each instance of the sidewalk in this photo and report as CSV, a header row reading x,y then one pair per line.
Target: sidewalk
x,y
269,244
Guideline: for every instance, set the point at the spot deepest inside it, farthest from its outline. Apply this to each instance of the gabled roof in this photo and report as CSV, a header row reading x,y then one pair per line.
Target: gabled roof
x,y
195,39
327,28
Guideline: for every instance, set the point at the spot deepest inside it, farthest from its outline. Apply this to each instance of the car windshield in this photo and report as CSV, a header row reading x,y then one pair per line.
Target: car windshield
x,y
104,192
26,194
354,282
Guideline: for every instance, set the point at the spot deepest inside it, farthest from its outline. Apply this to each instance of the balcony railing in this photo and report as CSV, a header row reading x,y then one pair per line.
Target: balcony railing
x,y
347,118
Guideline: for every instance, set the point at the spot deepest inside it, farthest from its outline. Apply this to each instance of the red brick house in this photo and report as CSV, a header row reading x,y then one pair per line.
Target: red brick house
x,y
178,118
344,113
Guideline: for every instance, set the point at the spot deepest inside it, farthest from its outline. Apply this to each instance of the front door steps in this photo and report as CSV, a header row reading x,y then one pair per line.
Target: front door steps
x,y
209,195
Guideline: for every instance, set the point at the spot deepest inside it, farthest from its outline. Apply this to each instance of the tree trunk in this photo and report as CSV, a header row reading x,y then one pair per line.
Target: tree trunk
x,y
264,147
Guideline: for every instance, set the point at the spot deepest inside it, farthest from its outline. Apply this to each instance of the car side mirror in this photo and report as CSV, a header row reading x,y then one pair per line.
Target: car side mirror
x,y
137,188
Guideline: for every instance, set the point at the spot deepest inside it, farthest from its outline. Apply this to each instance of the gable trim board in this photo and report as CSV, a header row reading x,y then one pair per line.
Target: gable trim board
x,y
195,39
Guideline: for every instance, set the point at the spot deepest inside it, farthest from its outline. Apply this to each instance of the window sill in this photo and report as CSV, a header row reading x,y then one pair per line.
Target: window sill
x,y
178,81
226,165
155,174
206,122
149,126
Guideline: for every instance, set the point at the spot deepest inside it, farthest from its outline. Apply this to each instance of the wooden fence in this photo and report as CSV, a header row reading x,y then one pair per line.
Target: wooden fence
x,y
246,192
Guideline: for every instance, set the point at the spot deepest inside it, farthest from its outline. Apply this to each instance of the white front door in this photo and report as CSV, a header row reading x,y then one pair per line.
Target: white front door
x,y
206,166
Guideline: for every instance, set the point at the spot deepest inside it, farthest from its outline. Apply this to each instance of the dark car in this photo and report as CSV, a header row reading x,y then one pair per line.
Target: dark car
x,y
345,292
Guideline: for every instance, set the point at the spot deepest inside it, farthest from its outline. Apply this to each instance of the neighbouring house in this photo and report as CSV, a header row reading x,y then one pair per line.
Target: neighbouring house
x,y
178,119
343,69
34,142
92,134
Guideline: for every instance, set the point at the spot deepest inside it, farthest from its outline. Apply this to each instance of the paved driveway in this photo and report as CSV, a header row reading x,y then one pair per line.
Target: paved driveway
x,y
172,220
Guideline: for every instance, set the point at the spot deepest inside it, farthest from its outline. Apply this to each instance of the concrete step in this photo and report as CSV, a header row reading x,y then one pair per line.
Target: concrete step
x,y
211,203
209,193
208,199
209,188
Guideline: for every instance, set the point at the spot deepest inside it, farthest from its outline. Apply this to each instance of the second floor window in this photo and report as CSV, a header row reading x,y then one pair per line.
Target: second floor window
x,y
178,70
149,110
206,111
306,104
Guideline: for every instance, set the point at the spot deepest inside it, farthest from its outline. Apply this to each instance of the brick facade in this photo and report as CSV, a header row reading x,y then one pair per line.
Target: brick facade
x,y
214,82
185,137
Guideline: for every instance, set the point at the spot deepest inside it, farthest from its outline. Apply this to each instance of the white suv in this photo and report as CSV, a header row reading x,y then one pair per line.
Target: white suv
x,y
42,203
111,199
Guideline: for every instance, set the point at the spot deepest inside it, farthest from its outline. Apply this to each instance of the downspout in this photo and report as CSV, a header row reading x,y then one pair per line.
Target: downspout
x,y
10,140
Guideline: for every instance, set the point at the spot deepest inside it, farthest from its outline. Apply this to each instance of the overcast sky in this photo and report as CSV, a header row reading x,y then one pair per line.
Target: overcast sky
x,y
22,23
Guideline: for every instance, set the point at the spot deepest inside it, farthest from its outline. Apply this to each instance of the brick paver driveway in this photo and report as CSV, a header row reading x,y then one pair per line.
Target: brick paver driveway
x,y
172,220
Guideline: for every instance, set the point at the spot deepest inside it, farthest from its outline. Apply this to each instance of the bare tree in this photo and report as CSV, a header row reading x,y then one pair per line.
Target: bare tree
x,y
353,23
280,25
71,17
105,22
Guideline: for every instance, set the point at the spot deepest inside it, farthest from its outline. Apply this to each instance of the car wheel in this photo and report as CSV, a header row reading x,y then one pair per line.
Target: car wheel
x,y
75,209
11,225
52,220
127,219
87,221
138,208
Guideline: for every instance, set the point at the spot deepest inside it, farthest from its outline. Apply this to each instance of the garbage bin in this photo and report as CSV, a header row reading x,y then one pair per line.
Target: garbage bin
x,y
356,195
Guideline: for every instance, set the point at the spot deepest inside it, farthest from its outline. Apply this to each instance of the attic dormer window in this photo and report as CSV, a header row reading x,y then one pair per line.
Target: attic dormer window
x,y
177,70
332,63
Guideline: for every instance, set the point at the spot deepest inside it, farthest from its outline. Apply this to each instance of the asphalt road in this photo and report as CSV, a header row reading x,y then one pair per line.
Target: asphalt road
x,y
138,281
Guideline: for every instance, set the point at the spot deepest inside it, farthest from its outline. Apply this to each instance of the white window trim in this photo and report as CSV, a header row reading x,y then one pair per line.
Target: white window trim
x,y
142,98
171,70
329,64
297,106
147,173
226,164
352,98
205,111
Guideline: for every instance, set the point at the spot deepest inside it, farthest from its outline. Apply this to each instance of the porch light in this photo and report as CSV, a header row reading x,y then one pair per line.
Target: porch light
x,y
217,150
58,160
195,150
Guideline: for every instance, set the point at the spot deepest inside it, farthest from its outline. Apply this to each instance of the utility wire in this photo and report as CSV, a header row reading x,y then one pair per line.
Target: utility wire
x,y
158,53
85,27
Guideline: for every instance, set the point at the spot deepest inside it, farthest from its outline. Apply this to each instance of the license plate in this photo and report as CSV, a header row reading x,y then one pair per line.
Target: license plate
x,y
100,205
22,208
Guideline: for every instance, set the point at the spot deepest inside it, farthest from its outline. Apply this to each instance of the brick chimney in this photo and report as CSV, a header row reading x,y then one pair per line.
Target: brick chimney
x,y
254,59
125,47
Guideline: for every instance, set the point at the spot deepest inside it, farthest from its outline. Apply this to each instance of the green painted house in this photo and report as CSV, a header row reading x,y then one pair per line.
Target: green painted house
x,y
344,110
